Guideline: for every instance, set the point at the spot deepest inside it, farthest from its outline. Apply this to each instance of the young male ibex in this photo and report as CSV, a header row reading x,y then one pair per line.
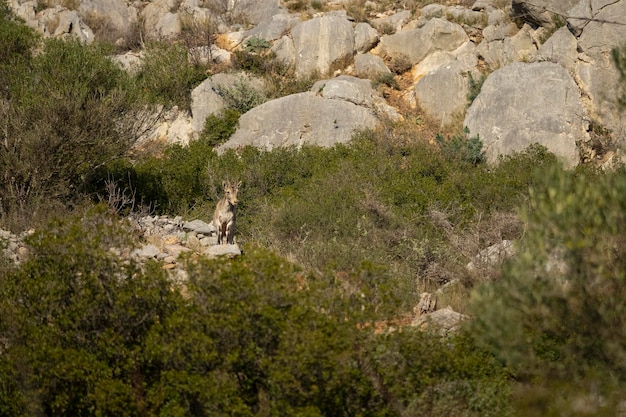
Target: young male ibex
x,y
224,216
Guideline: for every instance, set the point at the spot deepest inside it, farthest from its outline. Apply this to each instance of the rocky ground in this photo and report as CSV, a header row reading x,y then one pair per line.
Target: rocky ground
x,y
546,66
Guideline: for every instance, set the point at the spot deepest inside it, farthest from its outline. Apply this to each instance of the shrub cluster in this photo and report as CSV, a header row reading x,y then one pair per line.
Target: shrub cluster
x,y
87,333
556,317
61,117
66,110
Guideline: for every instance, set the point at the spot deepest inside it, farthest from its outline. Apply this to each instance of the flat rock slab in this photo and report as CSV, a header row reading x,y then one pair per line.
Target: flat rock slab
x,y
229,251
298,119
522,104
199,226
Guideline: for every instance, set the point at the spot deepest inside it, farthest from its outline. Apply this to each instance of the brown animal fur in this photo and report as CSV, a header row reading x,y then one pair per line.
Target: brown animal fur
x,y
225,213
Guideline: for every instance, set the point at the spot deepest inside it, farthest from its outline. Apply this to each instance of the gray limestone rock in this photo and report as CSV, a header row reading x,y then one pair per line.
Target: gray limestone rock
x,y
560,48
366,37
369,66
522,104
322,45
298,119
417,44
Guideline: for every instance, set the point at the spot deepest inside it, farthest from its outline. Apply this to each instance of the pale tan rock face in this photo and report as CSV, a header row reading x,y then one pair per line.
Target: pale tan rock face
x,y
322,45
522,104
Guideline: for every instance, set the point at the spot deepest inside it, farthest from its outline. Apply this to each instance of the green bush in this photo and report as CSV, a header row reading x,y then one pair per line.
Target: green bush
x,y
256,45
219,128
556,318
73,320
168,76
426,374
70,112
16,44
463,147
475,86
241,96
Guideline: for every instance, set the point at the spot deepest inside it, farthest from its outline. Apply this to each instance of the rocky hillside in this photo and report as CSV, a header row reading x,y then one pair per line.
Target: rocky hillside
x,y
424,268
513,72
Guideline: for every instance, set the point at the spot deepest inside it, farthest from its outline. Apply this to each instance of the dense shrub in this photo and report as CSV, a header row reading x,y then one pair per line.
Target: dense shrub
x,y
556,317
219,128
474,86
241,96
16,43
73,320
70,112
168,75
85,332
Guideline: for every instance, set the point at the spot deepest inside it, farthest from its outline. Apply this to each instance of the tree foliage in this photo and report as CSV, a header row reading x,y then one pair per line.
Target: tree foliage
x,y
70,111
556,318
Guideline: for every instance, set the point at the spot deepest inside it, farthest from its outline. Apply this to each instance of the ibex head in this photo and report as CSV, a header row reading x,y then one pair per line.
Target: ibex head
x,y
230,192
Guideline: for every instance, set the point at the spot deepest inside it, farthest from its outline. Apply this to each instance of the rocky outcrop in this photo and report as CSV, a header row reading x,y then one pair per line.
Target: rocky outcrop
x,y
369,66
12,247
546,13
115,17
437,48
323,45
442,82
493,255
442,321
161,239
416,44
55,22
597,76
522,104
326,115
299,119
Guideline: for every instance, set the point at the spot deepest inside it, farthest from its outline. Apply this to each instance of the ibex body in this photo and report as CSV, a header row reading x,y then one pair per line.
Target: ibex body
x,y
225,213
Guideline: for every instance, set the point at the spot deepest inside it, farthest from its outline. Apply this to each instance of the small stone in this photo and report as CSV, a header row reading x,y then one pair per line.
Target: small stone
x,y
199,226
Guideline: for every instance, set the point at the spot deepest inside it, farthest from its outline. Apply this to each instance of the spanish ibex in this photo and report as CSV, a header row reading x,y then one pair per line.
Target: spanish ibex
x,y
224,216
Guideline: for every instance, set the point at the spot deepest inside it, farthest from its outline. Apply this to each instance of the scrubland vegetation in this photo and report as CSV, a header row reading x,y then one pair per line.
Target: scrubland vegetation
x,y
335,242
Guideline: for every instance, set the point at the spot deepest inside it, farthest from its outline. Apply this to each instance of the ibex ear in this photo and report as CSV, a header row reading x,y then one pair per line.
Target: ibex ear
x,y
224,184
239,184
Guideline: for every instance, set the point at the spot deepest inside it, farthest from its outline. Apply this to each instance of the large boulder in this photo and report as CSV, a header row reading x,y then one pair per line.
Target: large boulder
x,y
252,11
298,119
597,75
113,16
285,52
561,48
391,23
416,44
369,66
546,13
323,44
442,82
366,37
54,22
500,48
274,28
442,93
159,20
522,104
